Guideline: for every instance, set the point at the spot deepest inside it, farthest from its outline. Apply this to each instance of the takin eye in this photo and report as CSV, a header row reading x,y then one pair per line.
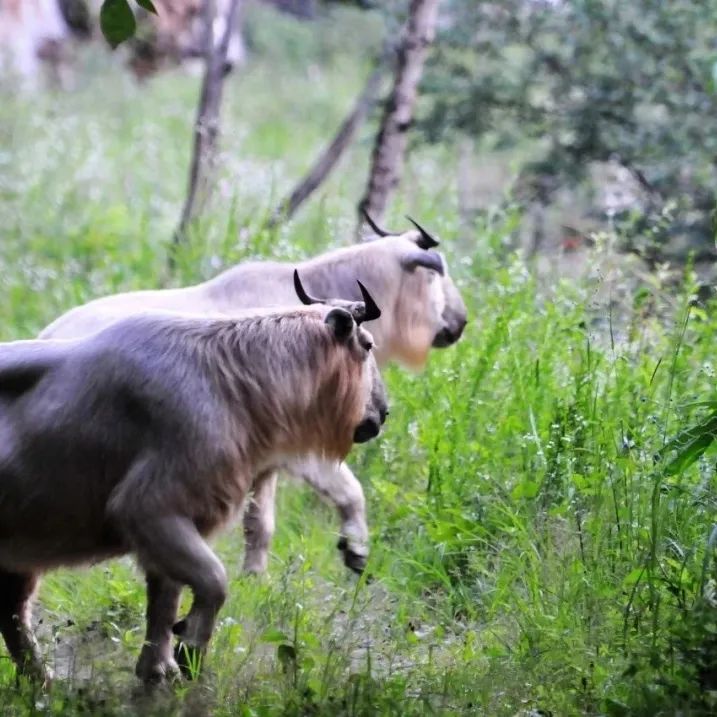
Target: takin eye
x,y
365,340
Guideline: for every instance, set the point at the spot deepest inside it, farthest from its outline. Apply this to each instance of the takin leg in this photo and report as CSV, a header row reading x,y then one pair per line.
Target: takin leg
x,y
171,546
259,524
338,485
156,661
16,591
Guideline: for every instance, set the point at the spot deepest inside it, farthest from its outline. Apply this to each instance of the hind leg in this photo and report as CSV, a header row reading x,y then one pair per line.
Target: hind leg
x,y
259,524
16,591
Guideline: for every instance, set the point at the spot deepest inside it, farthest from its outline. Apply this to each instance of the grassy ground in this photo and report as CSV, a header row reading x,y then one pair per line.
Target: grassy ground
x,y
535,550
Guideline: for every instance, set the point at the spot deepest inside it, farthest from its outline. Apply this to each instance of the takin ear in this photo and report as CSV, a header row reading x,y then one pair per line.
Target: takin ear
x,y
341,322
426,259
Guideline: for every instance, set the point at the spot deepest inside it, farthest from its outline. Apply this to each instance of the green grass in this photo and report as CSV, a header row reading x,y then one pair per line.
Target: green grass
x,y
533,549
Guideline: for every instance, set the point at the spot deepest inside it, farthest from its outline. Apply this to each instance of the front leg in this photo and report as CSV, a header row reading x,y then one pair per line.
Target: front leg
x,y
156,661
171,546
337,484
168,543
16,592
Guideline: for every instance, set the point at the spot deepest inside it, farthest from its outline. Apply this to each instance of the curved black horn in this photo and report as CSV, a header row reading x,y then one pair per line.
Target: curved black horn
x,y
426,241
372,311
301,293
376,228
425,258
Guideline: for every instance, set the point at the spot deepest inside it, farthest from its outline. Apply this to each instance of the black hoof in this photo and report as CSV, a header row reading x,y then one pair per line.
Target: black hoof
x,y
353,561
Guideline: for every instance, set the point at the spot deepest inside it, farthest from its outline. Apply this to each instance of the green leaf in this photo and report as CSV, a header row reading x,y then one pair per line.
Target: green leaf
x,y
525,489
271,634
708,403
689,454
147,5
633,577
689,445
117,21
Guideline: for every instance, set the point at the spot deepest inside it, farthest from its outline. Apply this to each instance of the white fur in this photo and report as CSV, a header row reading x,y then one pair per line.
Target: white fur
x,y
413,305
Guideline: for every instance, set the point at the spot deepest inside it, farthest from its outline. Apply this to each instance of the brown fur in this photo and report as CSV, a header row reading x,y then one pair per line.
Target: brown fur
x,y
147,436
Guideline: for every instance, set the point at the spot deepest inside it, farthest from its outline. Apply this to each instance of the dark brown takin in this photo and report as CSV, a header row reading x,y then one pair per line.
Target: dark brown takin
x,y
146,437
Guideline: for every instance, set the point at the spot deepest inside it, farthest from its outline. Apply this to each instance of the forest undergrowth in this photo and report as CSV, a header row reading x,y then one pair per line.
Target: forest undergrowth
x,y
542,502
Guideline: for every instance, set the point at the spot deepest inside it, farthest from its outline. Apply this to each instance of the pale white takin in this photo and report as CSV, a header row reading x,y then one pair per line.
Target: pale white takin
x,y
421,309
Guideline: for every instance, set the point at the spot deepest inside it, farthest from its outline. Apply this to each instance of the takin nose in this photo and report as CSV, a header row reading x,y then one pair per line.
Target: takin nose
x,y
449,334
366,430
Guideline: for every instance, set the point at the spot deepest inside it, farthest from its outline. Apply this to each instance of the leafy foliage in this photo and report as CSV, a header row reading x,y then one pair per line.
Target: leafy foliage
x,y
117,20
590,81
147,5
691,443
534,548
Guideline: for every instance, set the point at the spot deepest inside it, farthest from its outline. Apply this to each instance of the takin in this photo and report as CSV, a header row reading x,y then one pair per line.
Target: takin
x,y
146,437
421,309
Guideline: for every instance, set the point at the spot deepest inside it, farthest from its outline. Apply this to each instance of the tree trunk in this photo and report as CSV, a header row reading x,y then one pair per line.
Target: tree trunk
x,y
206,125
331,154
387,158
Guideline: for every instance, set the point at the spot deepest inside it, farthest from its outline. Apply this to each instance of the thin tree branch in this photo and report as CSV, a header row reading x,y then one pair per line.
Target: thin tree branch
x,y
206,126
390,146
332,153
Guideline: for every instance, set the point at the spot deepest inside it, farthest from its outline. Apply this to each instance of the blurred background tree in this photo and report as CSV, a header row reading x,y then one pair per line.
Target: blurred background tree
x,y
633,84
602,100
397,116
